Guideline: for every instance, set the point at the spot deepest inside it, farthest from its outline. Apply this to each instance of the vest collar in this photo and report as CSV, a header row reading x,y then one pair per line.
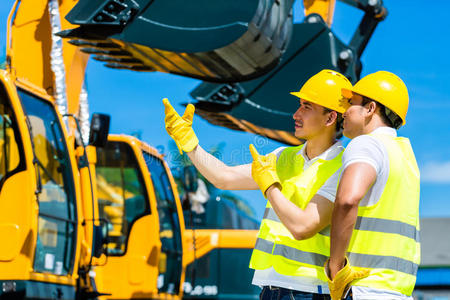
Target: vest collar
x,y
328,154
385,130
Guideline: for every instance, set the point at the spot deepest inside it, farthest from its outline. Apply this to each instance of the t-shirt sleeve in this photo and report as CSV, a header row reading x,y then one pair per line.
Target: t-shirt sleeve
x,y
278,151
328,189
364,148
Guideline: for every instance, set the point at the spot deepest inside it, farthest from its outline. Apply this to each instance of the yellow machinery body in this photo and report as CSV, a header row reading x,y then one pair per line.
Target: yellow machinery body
x,y
29,194
128,200
148,248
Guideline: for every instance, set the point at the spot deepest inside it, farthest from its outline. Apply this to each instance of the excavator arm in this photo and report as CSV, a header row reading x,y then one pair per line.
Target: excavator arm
x,y
263,105
33,53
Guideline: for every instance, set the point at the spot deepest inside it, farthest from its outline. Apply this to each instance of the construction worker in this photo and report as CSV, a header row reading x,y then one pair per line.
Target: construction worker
x,y
375,224
299,182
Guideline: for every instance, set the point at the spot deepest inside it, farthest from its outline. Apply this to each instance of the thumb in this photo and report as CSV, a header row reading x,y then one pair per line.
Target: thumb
x,y
253,152
189,113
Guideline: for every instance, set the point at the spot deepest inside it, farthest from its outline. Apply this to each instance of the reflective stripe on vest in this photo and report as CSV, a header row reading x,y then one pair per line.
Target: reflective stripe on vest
x,y
387,226
290,253
386,235
264,246
303,257
383,262
275,246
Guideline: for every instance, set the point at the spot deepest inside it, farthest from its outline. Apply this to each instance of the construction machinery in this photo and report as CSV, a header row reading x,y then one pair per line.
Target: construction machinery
x,y
54,217
49,220
75,228
48,231
137,195
145,245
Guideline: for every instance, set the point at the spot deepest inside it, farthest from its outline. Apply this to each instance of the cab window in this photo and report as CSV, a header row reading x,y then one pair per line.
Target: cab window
x,y
56,240
121,192
170,232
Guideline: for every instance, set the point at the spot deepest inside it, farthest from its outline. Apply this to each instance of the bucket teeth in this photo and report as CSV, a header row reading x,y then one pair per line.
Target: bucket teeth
x,y
116,53
133,68
106,58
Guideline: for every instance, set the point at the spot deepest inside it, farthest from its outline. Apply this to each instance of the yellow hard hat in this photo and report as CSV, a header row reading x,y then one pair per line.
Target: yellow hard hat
x,y
324,89
383,87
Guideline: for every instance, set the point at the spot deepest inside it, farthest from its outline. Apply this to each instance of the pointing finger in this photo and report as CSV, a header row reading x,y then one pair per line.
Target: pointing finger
x,y
254,152
168,108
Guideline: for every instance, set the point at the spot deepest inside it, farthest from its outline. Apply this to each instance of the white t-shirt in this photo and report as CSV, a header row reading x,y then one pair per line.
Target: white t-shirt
x,y
328,190
366,148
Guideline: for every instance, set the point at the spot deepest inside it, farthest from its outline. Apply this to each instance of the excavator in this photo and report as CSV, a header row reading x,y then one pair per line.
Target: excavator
x,y
86,216
137,194
57,245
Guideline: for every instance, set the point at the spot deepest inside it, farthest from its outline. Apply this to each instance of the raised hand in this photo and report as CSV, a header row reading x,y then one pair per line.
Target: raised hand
x,y
180,128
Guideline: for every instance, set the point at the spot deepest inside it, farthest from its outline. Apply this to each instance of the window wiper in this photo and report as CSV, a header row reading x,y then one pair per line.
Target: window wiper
x,y
47,172
37,162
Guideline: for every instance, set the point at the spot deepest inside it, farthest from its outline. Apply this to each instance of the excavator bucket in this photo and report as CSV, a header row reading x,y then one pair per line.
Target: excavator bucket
x,y
215,41
264,105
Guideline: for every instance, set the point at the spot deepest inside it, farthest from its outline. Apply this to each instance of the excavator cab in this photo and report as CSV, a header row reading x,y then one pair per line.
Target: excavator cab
x,y
137,197
40,217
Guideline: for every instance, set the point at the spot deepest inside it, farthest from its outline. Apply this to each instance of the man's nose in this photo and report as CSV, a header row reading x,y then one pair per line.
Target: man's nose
x,y
296,114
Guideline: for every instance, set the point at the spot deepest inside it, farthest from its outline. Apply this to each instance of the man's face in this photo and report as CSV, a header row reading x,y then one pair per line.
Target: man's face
x,y
354,117
310,120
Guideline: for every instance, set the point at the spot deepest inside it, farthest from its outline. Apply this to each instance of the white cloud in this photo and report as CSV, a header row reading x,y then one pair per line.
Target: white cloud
x,y
435,172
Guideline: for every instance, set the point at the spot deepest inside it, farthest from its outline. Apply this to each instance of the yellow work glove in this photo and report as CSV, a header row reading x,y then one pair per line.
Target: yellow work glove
x,y
180,128
343,279
264,170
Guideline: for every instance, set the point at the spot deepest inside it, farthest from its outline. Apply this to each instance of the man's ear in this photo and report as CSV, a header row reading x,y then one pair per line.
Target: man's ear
x,y
332,117
371,107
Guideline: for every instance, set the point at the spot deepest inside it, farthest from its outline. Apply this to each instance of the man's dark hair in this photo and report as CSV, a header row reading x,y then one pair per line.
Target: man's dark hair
x,y
388,117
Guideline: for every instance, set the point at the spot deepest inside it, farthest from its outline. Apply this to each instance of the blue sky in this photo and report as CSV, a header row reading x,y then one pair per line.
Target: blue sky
x,y
412,42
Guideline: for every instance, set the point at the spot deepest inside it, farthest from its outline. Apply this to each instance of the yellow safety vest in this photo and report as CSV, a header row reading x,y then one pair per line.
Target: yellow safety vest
x,y
386,235
275,246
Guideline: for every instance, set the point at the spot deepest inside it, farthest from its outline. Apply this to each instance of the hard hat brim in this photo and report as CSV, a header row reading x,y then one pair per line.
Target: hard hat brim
x,y
346,93
305,97
296,94
308,98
